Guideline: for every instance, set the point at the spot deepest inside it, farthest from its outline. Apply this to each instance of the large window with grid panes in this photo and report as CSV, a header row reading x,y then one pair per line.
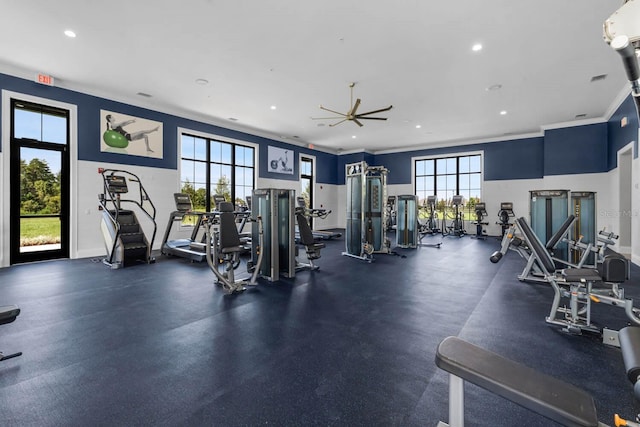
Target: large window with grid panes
x,y
445,177
213,167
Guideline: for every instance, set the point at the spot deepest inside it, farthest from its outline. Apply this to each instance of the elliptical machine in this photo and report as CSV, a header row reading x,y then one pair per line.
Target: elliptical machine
x,y
430,226
456,227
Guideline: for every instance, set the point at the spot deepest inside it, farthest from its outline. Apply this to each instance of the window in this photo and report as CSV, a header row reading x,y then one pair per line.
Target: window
x,y
212,167
447,176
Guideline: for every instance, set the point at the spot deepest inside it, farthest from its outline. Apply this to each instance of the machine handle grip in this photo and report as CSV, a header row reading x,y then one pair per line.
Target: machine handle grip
x,y
623,46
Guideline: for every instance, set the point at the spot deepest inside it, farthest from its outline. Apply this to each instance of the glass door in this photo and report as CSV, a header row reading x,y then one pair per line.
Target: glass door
x,y
39,182
306,183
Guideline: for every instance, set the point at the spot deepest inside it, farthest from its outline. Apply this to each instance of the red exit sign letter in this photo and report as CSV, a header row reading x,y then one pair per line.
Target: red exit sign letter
x,y
44,79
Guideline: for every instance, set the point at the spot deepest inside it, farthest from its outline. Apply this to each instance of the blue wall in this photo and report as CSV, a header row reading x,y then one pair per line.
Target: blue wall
x,y
576,150
620,136
573,150
89,107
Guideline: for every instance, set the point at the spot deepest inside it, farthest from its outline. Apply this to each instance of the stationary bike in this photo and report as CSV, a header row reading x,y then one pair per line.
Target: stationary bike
x,y
481,212
505,214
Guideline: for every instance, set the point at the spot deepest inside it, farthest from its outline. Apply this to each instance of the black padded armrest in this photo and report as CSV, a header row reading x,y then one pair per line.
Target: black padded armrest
x,y
8,313
543,394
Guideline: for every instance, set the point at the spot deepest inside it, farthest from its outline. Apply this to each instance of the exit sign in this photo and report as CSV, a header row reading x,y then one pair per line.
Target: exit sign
x,y
44,79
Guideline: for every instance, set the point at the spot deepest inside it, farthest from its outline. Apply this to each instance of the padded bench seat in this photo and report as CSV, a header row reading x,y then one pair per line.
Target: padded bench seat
x,y
543,394
8,313
578,275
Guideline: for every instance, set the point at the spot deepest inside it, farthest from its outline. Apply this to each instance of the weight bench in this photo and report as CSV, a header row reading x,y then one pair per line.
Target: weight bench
x,y
8,314
581,286
545,395
312,248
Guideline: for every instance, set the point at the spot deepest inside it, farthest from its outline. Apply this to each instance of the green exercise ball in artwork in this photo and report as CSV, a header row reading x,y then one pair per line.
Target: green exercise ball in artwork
x,y
115,139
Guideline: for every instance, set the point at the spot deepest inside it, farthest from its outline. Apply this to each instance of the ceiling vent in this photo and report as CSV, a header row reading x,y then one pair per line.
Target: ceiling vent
x,y
145,95
580,116
598,78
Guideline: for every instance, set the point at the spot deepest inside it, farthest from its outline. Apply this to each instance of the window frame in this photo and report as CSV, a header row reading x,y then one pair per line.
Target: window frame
x,y
456,156
208,162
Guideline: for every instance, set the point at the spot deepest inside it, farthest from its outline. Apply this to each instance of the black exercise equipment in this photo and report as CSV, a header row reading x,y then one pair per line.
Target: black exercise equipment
x,y
312,248
430,225
456,227
8,314
504,215
190,248
223,248
580,286
316,213
124,235
550,397
480,210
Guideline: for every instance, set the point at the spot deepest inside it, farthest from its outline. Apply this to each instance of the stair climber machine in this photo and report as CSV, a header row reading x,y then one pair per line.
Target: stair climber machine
x,y
223,248
124,235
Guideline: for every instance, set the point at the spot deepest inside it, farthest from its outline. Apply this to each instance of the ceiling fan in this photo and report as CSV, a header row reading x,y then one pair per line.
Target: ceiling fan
x,y
352,114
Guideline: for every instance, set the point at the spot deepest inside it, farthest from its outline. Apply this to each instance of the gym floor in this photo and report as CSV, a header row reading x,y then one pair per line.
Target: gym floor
x,y
352,344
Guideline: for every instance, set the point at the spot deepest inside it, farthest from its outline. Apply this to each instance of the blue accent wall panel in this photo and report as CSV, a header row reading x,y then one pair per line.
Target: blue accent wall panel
x,y
576,150
517,159
88,108
620,136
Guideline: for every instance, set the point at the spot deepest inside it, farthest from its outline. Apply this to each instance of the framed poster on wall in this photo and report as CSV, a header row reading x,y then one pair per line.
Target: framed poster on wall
x,y
280,160
124,134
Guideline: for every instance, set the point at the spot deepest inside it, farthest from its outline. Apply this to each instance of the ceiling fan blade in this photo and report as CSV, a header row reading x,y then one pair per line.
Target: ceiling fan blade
x,y
336,124
333,111
352,112
370,118
357,122
327,118
375,111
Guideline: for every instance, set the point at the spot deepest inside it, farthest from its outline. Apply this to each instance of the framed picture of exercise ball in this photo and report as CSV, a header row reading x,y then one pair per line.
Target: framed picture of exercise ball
x,y
280,160
135,136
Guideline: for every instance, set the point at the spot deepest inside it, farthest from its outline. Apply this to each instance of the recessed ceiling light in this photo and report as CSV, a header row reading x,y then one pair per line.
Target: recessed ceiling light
x,y
202,82
476,47
503,112
69,33
273,107
418,126
353,137
494,87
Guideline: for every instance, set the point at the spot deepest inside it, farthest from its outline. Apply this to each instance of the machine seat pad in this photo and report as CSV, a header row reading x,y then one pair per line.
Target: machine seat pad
x,y
232,249
577,275
8,313
540,393
315,246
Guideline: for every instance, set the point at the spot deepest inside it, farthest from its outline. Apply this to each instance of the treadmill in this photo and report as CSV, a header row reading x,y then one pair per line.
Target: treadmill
x,y
316,213
185,248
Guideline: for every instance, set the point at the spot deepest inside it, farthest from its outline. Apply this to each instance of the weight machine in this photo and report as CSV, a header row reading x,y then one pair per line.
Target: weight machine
x,y
366,213
407,221
276,208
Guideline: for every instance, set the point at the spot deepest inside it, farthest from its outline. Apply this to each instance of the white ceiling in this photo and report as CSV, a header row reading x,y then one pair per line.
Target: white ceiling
x,y
413,54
